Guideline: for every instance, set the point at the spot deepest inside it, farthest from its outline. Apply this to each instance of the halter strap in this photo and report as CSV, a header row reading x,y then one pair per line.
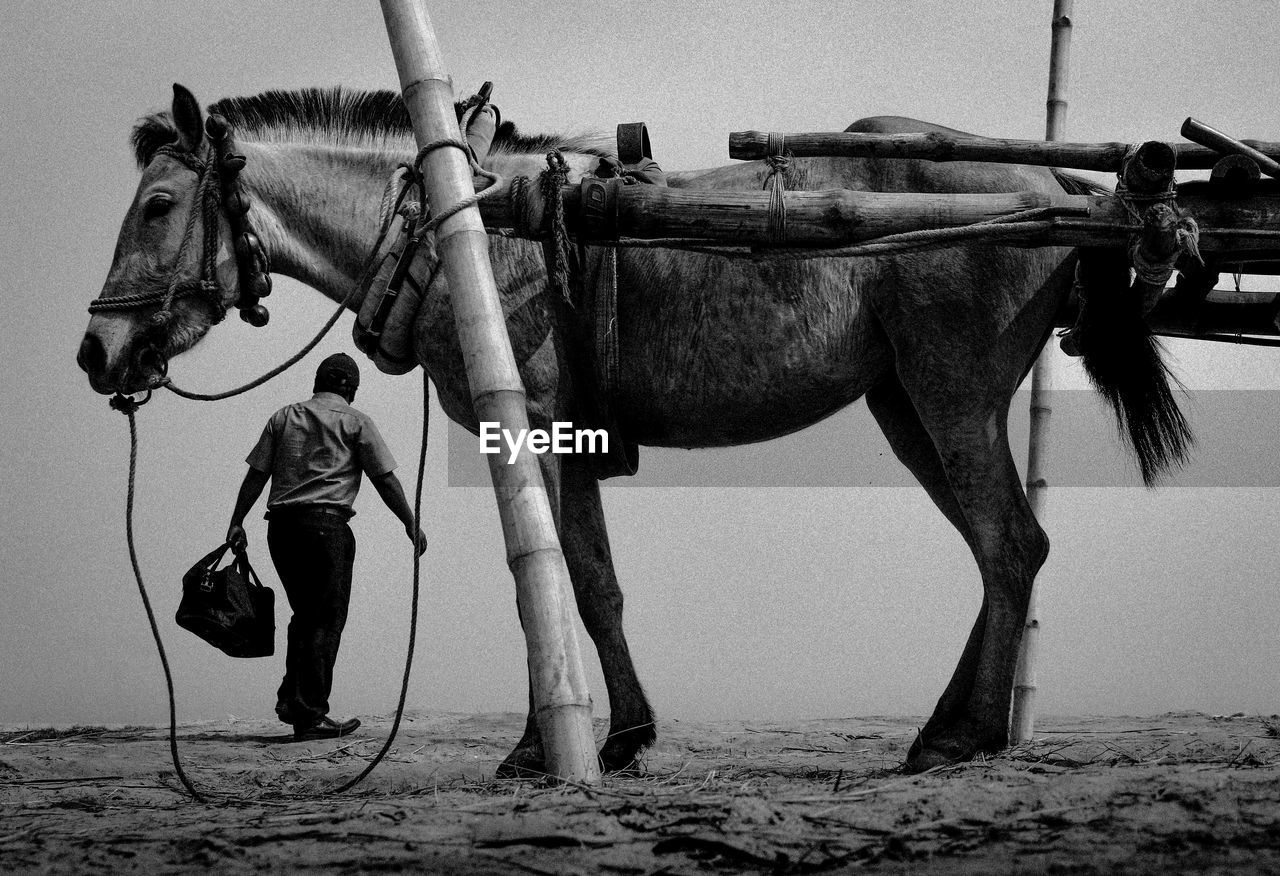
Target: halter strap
x,y
217,192
207,203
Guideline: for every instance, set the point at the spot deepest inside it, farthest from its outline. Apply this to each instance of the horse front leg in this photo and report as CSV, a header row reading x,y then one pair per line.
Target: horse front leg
x,y
528,759
585,542
595,586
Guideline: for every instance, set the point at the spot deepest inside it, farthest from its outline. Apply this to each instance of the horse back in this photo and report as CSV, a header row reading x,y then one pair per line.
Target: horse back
x,y
720,351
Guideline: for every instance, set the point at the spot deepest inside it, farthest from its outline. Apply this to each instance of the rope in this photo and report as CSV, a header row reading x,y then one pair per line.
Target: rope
x,y
495,181
522,208
413,611
274,372
1023,222
140,299
129,407
556,251
390,202
778,161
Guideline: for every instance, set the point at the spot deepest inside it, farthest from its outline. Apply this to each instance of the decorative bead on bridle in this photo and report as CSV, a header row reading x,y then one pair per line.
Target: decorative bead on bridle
x,y
218,192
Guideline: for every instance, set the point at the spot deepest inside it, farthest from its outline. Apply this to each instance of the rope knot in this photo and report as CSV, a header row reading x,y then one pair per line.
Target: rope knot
x,y
778,161
1188,235
127,404
556,251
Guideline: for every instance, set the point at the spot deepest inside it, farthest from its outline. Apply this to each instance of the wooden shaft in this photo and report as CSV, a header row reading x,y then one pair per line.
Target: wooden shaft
x,y
1150,170
561,701
1022,714
937,146
1243,228
830,216
1221,311
1220,142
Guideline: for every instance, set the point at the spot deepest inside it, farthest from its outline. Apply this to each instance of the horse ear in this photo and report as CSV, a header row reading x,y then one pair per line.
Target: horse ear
x,y
187,118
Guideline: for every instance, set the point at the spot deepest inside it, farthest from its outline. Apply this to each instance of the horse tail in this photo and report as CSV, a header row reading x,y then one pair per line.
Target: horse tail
x,y
1124,361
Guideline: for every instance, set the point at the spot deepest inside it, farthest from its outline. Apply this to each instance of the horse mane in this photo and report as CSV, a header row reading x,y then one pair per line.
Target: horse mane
x,y
336,116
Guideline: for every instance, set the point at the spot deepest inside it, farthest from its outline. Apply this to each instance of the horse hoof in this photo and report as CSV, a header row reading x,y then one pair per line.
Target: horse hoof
x,y
620,760
925,759
935,749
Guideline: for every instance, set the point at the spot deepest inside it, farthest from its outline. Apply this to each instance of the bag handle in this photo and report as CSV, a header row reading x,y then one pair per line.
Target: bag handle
x,y
211,559
246,569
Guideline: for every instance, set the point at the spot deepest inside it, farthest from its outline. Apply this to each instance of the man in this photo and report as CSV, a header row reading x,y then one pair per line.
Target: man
x,y
313,453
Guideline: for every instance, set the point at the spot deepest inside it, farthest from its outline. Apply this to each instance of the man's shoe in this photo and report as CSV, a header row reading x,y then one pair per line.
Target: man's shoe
x,y
325,728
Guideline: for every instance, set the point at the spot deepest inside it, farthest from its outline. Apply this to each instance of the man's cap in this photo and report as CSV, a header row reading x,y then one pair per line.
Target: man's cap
x,y
339,368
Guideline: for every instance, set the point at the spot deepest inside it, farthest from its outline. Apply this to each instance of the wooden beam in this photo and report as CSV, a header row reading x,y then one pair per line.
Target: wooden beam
x,y
1240,228
937,146
1218,312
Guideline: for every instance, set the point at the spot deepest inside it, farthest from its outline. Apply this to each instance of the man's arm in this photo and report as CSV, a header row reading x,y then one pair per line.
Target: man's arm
x,y
388,487
250,489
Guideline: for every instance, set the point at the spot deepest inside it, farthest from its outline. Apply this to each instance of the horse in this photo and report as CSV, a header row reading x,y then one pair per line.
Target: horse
x,y
713,351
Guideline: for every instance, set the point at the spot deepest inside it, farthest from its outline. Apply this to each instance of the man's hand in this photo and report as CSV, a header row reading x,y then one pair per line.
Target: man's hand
x,y
388,487
237,538
250,490
420,542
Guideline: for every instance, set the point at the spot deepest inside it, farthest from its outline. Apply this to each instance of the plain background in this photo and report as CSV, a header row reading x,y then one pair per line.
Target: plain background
x,y
743,601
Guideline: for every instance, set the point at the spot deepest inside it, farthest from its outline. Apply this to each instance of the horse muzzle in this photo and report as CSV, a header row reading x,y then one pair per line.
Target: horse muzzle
x,y
123,368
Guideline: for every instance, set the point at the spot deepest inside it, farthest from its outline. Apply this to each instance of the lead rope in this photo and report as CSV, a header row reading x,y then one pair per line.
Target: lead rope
x,y
129,407
413,611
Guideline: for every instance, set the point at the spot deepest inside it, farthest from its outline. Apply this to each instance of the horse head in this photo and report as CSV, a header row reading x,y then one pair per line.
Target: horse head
x,y
184,253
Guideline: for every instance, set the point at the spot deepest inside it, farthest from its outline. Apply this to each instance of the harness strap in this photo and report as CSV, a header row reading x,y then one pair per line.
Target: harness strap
x,y
218,193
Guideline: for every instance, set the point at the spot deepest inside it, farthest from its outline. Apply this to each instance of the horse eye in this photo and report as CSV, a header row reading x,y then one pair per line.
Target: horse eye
x,y
156,208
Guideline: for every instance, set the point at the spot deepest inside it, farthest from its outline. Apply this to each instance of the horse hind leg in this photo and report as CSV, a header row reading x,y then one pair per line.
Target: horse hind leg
x,y
911,444
972,478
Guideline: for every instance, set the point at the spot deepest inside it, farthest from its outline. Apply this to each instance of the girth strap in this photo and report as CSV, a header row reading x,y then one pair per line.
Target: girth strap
x,y
598,313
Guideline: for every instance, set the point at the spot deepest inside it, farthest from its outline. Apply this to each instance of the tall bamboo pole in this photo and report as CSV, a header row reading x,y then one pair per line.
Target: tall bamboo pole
x,y
561,702
1023,717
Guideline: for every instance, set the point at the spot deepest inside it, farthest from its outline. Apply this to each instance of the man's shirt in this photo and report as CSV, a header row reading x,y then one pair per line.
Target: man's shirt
x,y
315,451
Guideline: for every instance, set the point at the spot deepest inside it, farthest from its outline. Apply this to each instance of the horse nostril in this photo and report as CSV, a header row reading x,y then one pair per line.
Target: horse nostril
x,y
92,357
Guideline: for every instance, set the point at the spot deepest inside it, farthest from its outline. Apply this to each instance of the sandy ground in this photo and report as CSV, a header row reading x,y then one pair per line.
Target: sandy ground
x,y
1174,793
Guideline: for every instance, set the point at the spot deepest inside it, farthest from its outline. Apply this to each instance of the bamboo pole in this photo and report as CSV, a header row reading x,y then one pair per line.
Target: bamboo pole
x,y
1022,720
938,146
561,702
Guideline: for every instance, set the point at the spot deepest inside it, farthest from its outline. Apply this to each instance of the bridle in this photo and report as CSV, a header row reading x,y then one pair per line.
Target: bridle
x,y
218,192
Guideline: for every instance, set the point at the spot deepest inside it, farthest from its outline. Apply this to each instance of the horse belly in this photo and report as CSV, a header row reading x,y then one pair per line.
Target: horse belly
x,y
717,353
